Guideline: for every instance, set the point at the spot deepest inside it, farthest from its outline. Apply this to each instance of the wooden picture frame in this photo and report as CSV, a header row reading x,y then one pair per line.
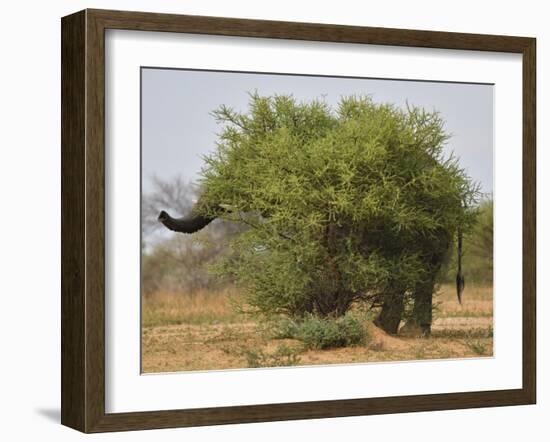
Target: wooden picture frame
x,y
83,220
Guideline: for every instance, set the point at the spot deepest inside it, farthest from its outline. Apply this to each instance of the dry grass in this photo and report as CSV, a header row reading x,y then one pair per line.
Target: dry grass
x,y
477,302
202,331
199,307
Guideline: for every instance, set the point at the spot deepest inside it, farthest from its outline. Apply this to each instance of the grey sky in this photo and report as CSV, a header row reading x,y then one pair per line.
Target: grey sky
x,y
177,128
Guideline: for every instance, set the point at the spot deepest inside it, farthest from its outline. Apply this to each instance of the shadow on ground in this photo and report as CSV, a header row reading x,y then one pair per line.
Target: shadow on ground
x,y
51,414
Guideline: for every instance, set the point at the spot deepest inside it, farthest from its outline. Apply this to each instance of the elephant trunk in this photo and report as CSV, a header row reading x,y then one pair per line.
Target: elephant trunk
x,y
188,224
459,276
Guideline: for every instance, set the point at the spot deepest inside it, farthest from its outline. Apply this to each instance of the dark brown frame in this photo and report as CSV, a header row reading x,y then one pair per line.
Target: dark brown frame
x,y
83,216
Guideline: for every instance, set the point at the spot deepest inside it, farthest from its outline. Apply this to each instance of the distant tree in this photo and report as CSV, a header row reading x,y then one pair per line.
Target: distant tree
x,y
182,264
176,194
176,263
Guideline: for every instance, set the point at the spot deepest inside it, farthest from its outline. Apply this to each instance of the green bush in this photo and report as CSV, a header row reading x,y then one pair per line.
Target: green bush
x,y
323,333
341,203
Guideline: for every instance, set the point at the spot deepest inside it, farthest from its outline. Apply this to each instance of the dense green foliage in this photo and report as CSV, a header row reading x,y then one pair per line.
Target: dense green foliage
x,y
343,204
322,333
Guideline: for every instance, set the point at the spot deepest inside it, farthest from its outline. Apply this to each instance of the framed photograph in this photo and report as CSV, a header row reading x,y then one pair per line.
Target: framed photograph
x,y
268,220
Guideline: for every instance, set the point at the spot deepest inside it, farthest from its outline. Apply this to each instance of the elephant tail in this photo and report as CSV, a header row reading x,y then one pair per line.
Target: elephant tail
x,y
459,276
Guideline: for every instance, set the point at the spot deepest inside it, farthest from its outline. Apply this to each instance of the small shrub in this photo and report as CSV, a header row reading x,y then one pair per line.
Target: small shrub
x,y
285,328
477,347
323,333
284,356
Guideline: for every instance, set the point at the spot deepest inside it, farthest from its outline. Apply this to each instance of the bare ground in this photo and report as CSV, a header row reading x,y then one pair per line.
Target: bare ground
x,y
459,331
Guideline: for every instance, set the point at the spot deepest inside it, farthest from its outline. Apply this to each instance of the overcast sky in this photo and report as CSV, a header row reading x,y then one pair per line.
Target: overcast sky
x,y
177,128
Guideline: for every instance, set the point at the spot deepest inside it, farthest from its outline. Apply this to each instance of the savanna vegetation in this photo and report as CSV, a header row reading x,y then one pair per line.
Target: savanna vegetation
x,y
319,223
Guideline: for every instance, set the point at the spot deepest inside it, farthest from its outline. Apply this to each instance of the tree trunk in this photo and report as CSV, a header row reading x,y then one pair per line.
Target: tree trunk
x,y
332,300
391,313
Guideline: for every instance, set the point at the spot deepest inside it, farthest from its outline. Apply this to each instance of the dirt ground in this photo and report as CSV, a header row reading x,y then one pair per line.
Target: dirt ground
x,y
202,340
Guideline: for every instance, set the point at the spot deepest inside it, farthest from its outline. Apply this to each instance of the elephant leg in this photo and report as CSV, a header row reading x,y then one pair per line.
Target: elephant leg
x,y
421,317
391,313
